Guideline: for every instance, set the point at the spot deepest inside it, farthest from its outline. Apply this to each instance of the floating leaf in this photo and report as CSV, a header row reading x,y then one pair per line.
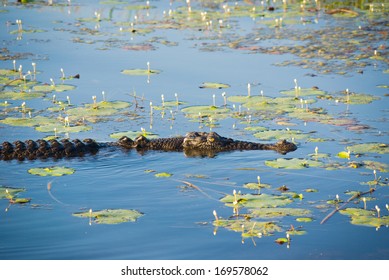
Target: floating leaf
x,y
20,200
60,128
280,134
134,134
140,72
199,112
50,88
374,165
293,163
249,228
51,171
11,95
11,192
214,85
103,108
111,216
35,121
255,186
257,201
303,92
311,190
304,219
357,98
296,232
282,240
365,217
163,174
379,148
279,212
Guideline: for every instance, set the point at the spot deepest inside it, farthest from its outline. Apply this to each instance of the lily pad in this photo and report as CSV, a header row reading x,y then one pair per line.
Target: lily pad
x,y
50,88
60,128
279,212
304,219
303,92
11,95
134,134
357,98
140,72
282,240
256,186
280,134
163,174
374,165
35,121
196,112
293,163
257,201
102,108
214,85
365,217
249,228
379,148
11,192
111,216
51,171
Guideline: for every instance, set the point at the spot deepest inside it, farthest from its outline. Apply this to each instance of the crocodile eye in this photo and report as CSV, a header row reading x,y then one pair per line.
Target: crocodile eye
x,y
211,139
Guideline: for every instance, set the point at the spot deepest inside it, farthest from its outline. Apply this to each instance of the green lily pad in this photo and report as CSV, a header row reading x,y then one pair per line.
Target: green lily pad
x,y
50,88
249,228
282,240
102,108
280,134
357,98
374,165
257,201
60,128
256,186
11,95
370,221
357,212
163,174
279,212
35,121
304,219
293,163
196,112
296,232
311,190
214,85
11,192
111,216
140,72
365,217
51,171
303,92
379,148
20,200
134,134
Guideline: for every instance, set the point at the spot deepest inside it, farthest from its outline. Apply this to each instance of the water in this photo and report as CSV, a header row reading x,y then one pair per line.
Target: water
x,y
177,221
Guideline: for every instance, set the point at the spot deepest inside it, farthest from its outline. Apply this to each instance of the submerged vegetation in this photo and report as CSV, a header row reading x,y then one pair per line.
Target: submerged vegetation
x,y
328,39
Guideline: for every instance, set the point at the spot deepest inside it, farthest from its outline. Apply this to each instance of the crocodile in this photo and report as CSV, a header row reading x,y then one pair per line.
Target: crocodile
x,y
192,144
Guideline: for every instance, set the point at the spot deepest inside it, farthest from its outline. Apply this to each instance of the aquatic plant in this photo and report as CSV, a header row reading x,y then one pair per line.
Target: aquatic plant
x,y
110,216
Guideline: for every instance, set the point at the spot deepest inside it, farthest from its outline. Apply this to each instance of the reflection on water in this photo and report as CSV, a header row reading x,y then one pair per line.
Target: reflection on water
x,y
242,50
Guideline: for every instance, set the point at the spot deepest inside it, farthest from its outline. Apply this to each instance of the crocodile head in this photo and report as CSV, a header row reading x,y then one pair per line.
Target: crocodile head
x,y
284,147
205,141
